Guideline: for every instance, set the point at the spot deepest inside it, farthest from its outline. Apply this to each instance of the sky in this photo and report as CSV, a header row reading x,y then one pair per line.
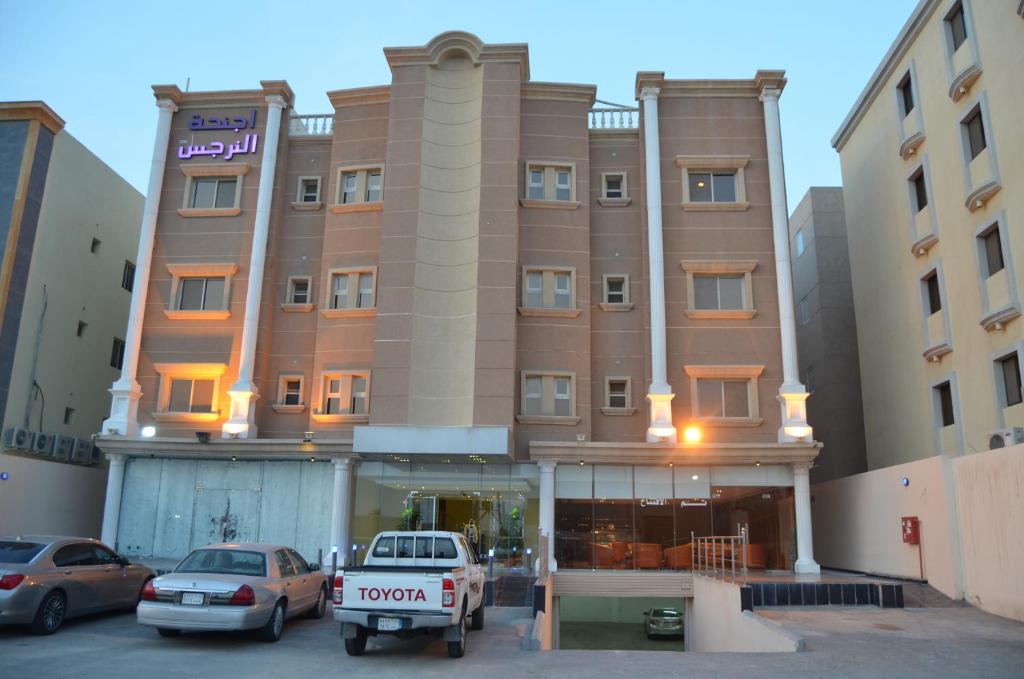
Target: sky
x,y
94,61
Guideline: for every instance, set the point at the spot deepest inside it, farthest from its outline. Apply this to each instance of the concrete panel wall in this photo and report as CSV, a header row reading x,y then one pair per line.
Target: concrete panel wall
x,y
715,623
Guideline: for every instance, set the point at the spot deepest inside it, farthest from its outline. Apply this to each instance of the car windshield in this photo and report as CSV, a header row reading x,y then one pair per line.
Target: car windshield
x,y
19,552
224,562
666,613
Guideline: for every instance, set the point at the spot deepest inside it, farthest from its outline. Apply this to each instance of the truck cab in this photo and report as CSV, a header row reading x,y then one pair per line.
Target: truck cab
x,y
411,582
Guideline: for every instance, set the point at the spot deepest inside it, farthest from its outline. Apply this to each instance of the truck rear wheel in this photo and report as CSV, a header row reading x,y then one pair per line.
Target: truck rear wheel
x,y
477,623
356,645
457,649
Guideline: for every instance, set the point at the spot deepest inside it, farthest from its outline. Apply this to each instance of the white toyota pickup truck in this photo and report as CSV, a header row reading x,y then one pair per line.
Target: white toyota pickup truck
x,y
411,582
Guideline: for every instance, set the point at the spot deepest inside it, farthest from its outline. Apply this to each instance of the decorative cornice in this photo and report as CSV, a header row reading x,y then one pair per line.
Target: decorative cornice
x,y
707,88
665,453
279,88
981,195
936,352
961,84
923,244
167,93
999,318
32,110
584,94
379,94
770,81
723,371
910,145
915,24
462,42
217,448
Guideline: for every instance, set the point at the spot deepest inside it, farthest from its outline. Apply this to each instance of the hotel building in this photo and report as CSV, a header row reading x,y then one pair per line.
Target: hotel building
x,y
466,300
69,227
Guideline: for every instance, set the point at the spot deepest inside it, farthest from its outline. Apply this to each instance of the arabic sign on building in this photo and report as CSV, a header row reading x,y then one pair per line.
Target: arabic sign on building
x,y
218,148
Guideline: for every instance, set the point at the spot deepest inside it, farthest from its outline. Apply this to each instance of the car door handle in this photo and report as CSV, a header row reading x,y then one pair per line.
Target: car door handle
x,y
68,572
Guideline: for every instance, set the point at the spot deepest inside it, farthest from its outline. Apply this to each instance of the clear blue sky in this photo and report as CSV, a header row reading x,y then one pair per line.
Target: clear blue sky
x,y
94,62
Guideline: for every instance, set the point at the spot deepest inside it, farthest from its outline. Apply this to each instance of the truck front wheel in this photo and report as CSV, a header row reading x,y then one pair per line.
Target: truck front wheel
x,y
457,649
356,645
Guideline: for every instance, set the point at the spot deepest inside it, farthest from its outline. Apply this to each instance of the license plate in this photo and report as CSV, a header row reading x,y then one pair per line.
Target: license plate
x,y
192,598
389,624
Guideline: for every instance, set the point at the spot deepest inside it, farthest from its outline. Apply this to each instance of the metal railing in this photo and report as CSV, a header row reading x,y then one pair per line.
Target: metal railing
x,y
318,125
716,555
614,116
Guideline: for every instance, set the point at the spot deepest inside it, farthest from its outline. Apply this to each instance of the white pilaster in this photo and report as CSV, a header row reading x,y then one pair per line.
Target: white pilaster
x,y
547,510
805,562
125,392
112,503
792,394
659,393
341,509
241,419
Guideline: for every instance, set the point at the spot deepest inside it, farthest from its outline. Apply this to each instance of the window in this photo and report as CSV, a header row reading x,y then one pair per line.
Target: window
x,y
713,182
907,95
717,187
931,282
1009,370
289,390
613,185
309,190
213,192
725,395
201,294
345,394
77,554
284,565
351,290
551,181
94,248
549,395
69,415
957,26
360,186
299,290
974,128
992,247
618,396
616,289
920,190
798,242
188,391
117,354
301,566
718,292
944,398
553,289
82,325
803,311
128,276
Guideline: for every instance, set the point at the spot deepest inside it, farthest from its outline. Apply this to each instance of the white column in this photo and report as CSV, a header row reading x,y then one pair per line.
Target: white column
x,y
125,392
547,510
804,537
792,394
659,394
241,420
112,504
341,509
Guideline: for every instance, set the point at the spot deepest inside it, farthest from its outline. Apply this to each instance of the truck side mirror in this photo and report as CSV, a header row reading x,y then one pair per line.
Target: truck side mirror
x,y
314,567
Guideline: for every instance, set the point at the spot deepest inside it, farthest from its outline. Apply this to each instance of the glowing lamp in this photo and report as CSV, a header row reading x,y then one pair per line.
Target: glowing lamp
x,y
798,431
149,431
692,434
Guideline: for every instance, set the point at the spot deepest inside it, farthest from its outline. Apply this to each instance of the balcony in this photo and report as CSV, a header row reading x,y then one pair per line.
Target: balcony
x,y
318,125
611,116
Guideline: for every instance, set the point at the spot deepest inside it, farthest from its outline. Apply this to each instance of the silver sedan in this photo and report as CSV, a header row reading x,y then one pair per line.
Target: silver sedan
x,y
234,587
46,579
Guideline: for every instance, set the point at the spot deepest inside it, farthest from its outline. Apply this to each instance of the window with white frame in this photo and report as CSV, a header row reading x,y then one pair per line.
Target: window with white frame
x,y
213,192
202,294
719,288
364,184
289,390
713,182
991,245
345,393
1008,370
551,181
613,185
348,187
974,132
352,288
299,290
617,393
188,391
548,394
719,292
549,288
956,26
191,395
200,291
906,95
712,187
616,289
725,395
309,190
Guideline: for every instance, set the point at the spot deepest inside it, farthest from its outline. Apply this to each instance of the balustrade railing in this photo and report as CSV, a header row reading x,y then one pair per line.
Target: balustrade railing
x,y
720,555
612,116
317,125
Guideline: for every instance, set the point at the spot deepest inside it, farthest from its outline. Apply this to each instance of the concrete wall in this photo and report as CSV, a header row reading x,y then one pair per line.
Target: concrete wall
x,y
715,623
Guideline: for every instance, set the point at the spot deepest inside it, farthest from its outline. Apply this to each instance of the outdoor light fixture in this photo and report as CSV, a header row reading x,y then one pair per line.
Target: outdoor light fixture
x,y
203,436
312,459
581,438
490,553
148,432
695,477
234,459
905,481
692,434
758,463
581,463
307,436
798,431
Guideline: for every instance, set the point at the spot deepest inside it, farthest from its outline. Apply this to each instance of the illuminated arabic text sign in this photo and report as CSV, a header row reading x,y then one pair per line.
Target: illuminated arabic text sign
x,y
218,148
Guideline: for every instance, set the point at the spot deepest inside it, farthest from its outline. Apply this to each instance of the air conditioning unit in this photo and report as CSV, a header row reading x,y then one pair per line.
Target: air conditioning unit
x,y
82,452
18,438
42,444
63,447
1005,437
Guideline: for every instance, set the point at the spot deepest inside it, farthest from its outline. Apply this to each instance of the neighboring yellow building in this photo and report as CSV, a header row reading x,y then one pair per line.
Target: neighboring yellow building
x,y
67,270
932,167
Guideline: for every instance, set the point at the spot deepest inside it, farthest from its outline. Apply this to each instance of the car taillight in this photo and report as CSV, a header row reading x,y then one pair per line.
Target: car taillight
x,y
148,591
11,580
243,596
339,582
447,593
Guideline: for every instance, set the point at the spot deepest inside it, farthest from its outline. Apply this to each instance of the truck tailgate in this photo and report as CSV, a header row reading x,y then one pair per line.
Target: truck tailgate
x,y
411,590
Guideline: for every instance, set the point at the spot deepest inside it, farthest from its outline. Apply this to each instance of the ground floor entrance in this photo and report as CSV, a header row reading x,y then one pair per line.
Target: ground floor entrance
x,y
618,623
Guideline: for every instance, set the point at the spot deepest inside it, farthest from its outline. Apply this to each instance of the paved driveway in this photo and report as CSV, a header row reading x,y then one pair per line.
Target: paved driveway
x,y
925,643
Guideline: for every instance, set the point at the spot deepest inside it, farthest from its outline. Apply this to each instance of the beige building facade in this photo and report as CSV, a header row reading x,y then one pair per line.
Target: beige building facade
x,y
471,301
72,227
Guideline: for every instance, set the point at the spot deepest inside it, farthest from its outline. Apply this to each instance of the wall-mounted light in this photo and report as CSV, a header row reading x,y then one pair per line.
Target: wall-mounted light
x,y
307,436
692,434
148,432
905,482
582,463
695,477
